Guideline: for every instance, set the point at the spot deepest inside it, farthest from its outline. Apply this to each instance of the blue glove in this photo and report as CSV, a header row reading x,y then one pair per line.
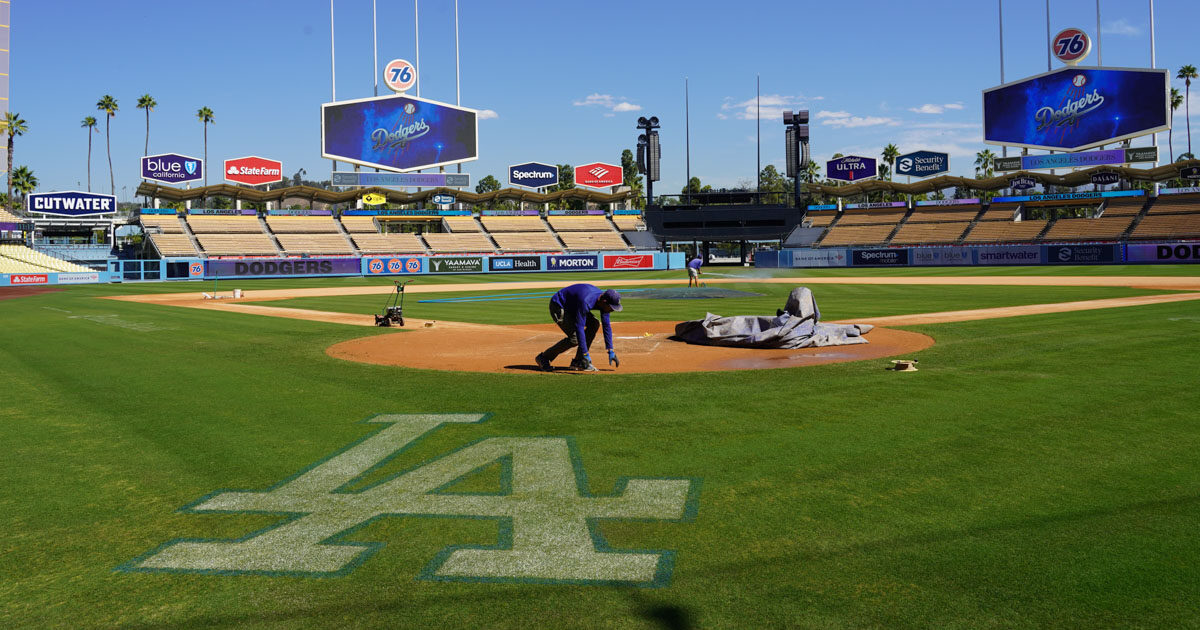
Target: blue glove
x,y
612,358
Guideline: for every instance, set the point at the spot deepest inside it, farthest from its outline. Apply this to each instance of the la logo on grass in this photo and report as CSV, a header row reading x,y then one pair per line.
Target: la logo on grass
x,y
548,521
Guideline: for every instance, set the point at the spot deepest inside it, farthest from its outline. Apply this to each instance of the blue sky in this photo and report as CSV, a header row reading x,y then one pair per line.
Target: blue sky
x,y
558,82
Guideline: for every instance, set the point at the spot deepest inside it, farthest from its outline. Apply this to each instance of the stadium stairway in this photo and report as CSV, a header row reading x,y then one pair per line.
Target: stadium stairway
x,y
266,228
836,219
899,224
187,229
962,237
1137,219
550,228
346,235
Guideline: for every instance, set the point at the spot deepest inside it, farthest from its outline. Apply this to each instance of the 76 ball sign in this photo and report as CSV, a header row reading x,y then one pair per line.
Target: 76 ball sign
x,y
1071,45
399,75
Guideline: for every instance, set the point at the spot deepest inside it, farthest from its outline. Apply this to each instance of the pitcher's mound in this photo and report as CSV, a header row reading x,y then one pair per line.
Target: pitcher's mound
x,y
642,347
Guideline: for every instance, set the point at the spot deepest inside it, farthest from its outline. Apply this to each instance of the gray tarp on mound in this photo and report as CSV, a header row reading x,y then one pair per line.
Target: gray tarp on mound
x,y
798,327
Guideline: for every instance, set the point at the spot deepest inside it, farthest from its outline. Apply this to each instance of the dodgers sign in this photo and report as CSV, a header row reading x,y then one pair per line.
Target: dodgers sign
x,y
399,133
922,164
533,175
851,168
72,203
172,168
1076,108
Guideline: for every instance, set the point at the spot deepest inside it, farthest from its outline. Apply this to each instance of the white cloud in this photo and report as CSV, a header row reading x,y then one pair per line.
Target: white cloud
x,y
609,102
957,105
771,106
846,120
626,107
934,108
485,114
1121,27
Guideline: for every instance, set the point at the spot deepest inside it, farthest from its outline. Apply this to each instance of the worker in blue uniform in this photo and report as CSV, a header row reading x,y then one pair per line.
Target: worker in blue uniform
x,y
571,309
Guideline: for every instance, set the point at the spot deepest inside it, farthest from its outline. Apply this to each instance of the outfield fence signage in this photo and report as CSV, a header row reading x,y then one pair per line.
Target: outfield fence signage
x,y
570,263
515,263
875,257
375,265
941,256
818,258
1009,255
71,203
1162,252
1080,254
282,267
457,264
629,261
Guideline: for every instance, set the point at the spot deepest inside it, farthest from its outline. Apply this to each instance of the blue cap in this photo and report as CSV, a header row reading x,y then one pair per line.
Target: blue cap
x,y
612,298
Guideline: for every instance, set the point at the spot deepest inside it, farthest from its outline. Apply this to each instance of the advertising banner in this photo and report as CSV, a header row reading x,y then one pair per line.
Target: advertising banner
x,y
78,278
851,168
159,211
72,203
398,180
599,175
876,204
283,268
533,175
1071,196
28,278
398,132
923,164
1159,252
1022,183
1019,255
375,265
196,269
172,168
1080,254
224,211
457,264
570,262
515,263
629,261
946,202
818,257
253,170
1179,191
1104,178
1107,157
1076,108
880,257
940,256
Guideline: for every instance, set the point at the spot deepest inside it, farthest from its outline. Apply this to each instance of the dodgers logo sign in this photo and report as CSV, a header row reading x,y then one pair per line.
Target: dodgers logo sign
x,y
398,132
851,168
172,168
1076,108
72,203
533,175
922,164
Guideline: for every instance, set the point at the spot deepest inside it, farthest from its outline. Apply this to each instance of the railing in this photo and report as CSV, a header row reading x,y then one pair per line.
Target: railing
x,y
722,198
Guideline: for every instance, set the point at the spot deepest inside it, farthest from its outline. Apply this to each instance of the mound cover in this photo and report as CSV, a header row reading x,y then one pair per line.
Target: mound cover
x,y
798,325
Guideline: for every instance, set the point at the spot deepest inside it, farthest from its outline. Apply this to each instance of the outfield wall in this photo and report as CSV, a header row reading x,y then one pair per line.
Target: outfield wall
x,y
36,279
986,255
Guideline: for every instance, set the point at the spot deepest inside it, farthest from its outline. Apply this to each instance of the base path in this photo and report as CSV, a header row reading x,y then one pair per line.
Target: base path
x,y
646,347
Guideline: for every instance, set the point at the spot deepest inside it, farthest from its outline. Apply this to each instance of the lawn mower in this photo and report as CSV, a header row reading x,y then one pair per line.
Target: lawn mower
x,y
393,314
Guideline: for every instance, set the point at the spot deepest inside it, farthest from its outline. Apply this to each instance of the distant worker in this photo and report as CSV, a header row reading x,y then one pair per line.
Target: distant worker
x,y
693,268
571,309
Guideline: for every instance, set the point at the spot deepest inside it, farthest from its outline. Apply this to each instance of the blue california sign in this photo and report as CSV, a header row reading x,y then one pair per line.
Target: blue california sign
x,y
851,168
172,168
533,175
922,164
400,133
1076,108
72,203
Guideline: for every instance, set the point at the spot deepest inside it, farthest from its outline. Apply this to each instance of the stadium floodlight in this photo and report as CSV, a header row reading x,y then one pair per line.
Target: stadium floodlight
x,y
796,146
649,154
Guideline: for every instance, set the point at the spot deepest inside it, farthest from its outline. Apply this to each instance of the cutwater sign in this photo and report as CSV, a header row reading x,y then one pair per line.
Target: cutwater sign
x,y
851,168
533,175
399,133
172,168
922,164
72,203
1076,108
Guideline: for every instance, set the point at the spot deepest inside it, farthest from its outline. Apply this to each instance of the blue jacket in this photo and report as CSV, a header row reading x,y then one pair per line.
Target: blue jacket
x,y
576,300
695,263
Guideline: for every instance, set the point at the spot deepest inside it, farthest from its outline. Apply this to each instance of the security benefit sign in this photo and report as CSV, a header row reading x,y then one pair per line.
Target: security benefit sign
x,y
71,203
398,133
1076,108
549,527
922,164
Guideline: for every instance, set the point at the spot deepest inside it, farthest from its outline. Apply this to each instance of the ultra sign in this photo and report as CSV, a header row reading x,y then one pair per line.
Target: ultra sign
x,y
72,203
533,175
851,168
399,133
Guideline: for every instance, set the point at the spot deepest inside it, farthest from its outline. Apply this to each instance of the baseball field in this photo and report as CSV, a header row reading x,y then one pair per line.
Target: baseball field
x,y
277,462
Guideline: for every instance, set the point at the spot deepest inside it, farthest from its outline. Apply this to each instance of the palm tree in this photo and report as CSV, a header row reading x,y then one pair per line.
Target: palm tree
x,y
205,115
108,105
984,161
89,123
147,103
890,153
1187,73
1176,101
14,126
811,172
25,182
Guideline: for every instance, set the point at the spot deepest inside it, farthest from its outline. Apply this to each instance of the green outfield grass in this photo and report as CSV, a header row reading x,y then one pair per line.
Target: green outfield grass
x,y
1038,471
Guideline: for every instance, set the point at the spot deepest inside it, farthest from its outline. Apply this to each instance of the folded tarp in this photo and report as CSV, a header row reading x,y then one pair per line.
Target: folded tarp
x,y
797,326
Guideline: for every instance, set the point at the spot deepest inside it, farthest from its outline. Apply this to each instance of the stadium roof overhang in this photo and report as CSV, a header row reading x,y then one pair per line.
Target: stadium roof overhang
x,y
1000,182
171,194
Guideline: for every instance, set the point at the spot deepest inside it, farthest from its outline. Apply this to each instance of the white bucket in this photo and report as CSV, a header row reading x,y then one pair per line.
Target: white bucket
x,y
237,293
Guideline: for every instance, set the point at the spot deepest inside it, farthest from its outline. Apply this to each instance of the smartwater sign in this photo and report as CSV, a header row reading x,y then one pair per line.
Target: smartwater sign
x,y
172,168
72,203
398,132
922,164
533,175
1076,108
851,168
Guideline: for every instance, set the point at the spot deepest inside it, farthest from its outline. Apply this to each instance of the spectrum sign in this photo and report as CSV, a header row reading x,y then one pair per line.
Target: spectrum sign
x,y
599,175
533,175
253,170
172,168
398,133
1076,108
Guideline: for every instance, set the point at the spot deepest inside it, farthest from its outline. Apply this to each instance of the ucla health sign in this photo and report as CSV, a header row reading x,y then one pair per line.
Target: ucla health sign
x,y
399,133
72,203
533,175
1076,108
172,168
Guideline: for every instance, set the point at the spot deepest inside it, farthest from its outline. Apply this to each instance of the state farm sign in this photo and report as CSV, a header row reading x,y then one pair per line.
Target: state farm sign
x,y
253,171
636,261
29,278
598,175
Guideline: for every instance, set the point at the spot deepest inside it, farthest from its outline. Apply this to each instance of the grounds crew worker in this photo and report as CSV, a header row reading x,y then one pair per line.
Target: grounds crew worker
x,y
693,267
571,308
